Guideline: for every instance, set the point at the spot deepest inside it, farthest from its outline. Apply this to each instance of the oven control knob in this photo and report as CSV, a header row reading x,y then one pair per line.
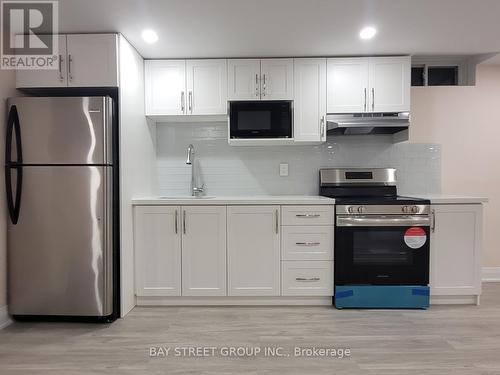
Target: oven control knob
x,y
350,209
414,210
405,209
361,209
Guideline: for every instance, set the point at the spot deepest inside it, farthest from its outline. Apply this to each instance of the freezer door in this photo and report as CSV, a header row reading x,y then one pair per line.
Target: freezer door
x,y
60,252
63,130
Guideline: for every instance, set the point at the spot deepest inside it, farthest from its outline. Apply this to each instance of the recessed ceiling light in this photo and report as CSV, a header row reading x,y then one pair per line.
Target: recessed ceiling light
x,y
367,32
150,36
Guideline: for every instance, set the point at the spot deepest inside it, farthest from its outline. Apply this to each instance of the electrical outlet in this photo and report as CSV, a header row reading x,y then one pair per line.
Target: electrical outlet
x,y
283,169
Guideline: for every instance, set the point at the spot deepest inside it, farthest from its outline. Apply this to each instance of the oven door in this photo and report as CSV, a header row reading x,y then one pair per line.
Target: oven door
x,y
382,250
260,119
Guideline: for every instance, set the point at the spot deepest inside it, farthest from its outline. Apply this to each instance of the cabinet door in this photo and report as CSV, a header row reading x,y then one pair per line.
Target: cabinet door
x,y
204,251
165,85
253,250
390,80
92,60
243,79
310,100
206,87
276,79
157,244
347,85
46,78
455,249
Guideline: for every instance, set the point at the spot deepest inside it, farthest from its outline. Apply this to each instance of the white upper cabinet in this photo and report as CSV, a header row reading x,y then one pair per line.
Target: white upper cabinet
x,y
165,85
276,79
390,82
85,60
157,243
206,87
310,100
253,250
92,60
243,79
368,84
46,78
347,85
203,250
186,87
456,249
253,79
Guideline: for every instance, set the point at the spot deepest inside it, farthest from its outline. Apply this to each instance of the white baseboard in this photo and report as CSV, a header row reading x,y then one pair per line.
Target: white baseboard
x,y
4,317
491,274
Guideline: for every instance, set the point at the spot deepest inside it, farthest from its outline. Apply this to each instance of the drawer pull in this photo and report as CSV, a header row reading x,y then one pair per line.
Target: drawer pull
x,y
307,243
307,279
307,215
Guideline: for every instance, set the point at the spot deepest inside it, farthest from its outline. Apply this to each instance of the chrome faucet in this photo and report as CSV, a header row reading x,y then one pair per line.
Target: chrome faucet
x,y
195,190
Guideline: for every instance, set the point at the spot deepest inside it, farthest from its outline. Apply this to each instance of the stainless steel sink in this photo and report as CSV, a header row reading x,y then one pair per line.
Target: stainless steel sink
x,y
190,197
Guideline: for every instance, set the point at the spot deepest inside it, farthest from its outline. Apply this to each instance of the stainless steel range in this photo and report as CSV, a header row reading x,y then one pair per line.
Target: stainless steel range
x,y
381,240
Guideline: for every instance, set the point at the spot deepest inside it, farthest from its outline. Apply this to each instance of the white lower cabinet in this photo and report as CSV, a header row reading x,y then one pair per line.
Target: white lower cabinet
x,y
307,242
203,250
307,278
253,250
456,237
157,243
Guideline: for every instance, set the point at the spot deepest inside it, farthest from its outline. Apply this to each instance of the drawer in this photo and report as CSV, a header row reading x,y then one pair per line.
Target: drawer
x,y
307,278
307,215
307,242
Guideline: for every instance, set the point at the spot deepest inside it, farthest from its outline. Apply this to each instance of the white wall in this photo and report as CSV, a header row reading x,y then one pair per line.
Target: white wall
x,y
465,121
7,85
137,159
230,170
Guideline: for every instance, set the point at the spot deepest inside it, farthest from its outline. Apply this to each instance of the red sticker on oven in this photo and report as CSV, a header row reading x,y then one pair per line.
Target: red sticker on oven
x,y
415,237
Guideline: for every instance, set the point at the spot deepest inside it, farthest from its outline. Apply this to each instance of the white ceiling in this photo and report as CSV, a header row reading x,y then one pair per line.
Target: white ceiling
x,y
237,28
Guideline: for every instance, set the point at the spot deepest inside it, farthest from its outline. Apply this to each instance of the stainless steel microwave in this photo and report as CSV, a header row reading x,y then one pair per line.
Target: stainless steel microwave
x,y
260,119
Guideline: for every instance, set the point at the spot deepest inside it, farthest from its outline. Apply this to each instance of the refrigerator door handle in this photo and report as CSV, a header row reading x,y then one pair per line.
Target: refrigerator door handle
x,y
13,128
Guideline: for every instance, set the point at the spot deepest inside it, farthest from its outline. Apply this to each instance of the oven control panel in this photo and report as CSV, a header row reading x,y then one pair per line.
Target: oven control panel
x,y
354,209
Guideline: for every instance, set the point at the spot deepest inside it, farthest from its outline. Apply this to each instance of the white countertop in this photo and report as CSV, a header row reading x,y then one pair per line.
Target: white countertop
x,y
238,200
452,199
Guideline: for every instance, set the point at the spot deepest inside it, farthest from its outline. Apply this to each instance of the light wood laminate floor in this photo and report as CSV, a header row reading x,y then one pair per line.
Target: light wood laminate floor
x,y
460,340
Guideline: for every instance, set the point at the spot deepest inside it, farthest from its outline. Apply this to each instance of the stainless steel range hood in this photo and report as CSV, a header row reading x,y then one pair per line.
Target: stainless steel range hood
x,y
367,123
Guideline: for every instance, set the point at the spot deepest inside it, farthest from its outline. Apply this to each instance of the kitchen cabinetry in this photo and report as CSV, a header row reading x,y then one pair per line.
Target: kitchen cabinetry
x,y
157,238
254,79
203,250
253,250
368,84
310,100
456,237
85,60
186,87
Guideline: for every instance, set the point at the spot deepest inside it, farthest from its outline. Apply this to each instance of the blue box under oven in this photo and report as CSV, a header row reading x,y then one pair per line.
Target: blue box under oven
x,y
381,297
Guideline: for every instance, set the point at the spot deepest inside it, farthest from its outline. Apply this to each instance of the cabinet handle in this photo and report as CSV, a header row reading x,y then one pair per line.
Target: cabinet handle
x,y
307,279
175,222
365,99
322,126
257,85
373,99
264,86
433,228
276,213
307,215
70,61
184,221
61,78
307,243
190,101
182,101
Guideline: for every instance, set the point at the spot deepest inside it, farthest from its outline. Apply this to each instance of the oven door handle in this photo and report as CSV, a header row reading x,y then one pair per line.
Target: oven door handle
x,y
383,221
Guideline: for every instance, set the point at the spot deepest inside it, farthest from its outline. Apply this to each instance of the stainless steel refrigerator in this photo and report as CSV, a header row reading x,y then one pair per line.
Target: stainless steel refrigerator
x,y
60,185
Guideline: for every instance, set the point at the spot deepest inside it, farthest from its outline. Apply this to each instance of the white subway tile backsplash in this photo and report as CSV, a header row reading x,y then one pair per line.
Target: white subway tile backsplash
x,y
229,170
